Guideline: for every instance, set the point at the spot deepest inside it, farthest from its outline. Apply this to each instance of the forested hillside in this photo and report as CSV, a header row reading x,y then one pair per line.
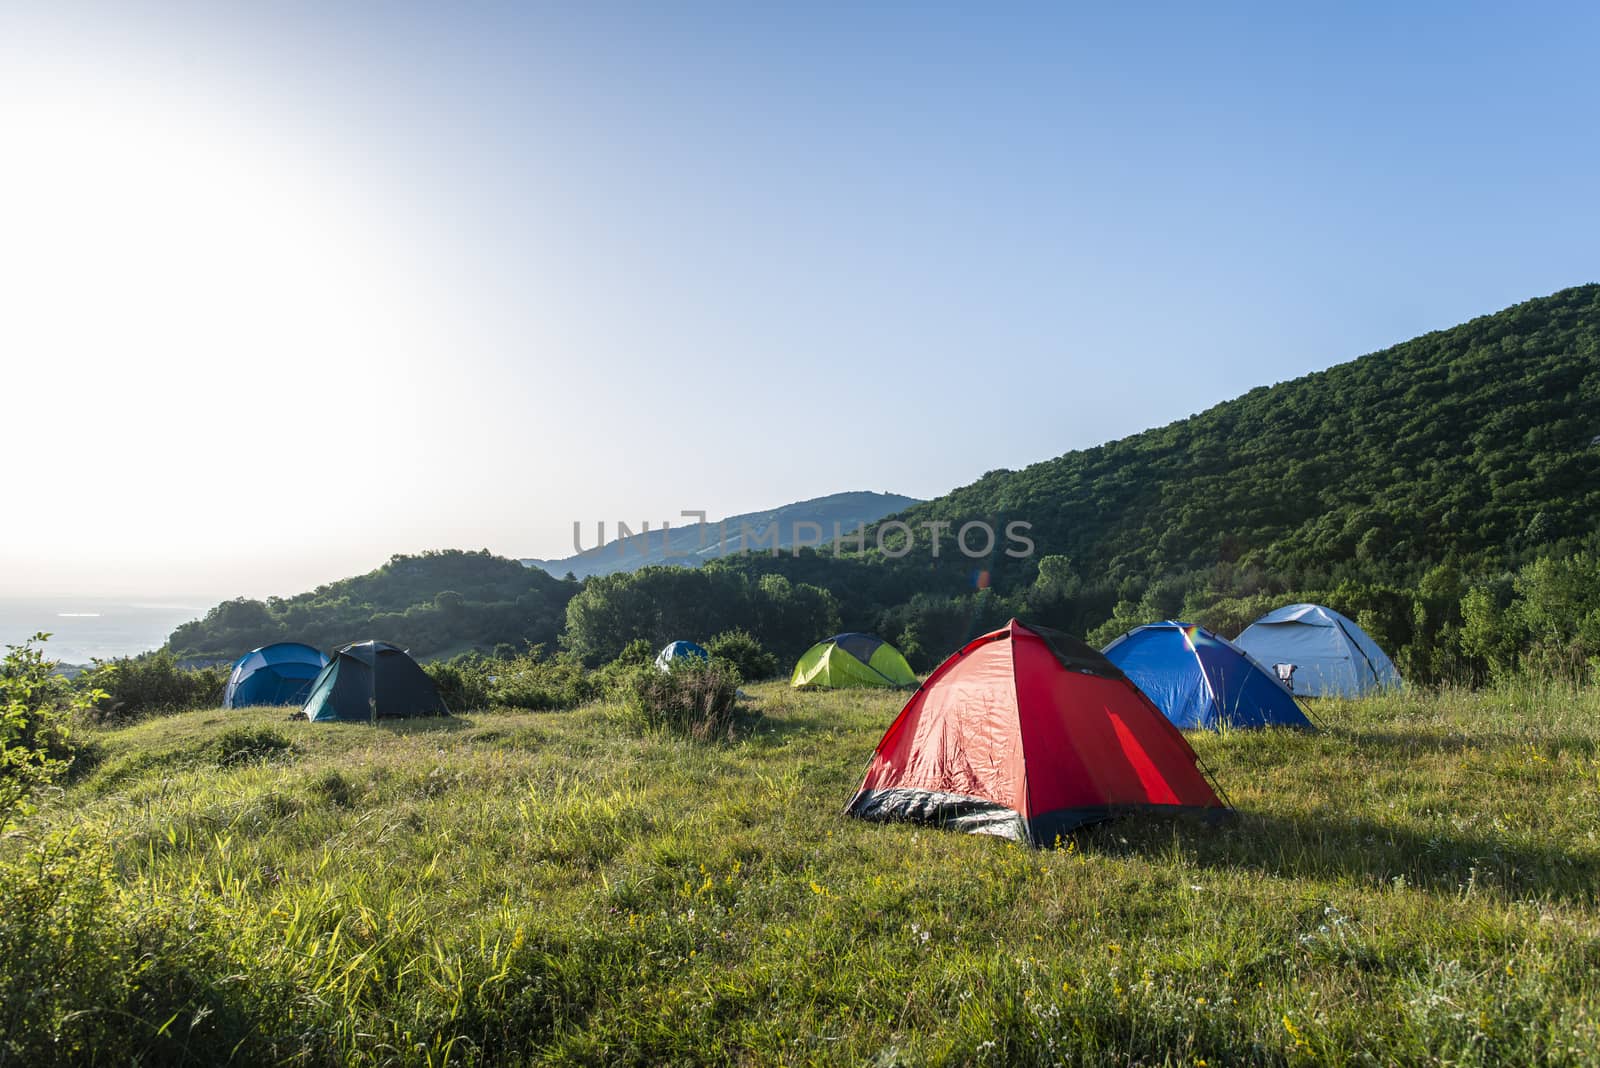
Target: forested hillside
x,y
1477,442
434,603
1444,492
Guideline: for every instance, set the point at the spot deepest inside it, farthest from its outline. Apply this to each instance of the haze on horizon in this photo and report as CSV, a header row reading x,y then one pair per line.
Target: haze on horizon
x,y
287,289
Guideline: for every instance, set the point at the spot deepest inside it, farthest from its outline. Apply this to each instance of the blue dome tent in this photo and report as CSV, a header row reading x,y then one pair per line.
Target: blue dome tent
x,y
1329,655
678,651
278,674
1202,681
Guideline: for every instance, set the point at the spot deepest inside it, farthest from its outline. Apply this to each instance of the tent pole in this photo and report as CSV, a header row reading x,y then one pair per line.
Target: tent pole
x,y
1351,638
1198,759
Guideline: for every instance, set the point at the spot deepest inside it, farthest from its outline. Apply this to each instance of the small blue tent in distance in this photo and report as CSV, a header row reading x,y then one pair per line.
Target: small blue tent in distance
x,y
1202,681
278,674
679,651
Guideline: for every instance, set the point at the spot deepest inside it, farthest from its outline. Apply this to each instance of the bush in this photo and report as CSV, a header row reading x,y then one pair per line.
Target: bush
x,y
615,677
58,919
637,653
1547,624
465,683
35,705
542,685
527,682
695,699
153,684
740,648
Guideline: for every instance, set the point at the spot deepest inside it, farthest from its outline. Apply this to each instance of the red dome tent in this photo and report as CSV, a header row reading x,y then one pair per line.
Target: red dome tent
x,y
1028,733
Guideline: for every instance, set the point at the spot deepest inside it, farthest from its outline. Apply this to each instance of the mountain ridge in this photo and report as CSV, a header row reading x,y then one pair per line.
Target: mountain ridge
x,y
691,545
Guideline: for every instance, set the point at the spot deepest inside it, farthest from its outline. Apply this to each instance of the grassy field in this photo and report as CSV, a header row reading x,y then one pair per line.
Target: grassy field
x,y
1415,884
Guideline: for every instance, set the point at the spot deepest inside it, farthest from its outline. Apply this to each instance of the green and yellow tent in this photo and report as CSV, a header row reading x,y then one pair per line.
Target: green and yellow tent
x,y
847,660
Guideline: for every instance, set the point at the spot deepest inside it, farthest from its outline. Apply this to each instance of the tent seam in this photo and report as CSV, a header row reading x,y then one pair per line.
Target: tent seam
x,y
1194,650
1357,647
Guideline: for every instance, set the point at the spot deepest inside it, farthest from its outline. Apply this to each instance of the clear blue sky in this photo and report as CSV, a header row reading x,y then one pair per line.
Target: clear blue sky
x,y
599,262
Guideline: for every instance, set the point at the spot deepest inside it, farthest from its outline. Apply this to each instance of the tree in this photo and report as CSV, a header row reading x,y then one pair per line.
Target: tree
x,y
741,649
1489,633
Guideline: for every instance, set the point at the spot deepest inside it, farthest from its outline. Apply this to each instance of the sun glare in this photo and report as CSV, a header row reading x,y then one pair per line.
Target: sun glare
x,y
164,260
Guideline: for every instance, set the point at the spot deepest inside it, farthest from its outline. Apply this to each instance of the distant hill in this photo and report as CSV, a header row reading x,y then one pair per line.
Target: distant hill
x,y
692,545
431,604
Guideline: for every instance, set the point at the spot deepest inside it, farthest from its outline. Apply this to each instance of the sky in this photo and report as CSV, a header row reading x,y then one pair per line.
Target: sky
x,y
288,288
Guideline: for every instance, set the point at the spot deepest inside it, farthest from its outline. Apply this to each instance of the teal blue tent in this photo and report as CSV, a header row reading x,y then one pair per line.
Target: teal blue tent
x,y
277,674
369,681
1200,680
680,650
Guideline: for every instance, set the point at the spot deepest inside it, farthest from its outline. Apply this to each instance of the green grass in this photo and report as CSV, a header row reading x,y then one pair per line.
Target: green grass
x,y
1415,884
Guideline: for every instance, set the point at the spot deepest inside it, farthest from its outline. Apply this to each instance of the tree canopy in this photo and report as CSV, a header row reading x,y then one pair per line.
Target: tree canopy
x,y
431,604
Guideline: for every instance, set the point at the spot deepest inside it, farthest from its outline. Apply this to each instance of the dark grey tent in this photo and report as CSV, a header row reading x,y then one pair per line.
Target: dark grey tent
x,y
369,681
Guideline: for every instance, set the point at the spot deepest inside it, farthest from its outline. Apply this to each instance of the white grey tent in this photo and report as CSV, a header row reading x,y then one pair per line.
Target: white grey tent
x,y
1332,656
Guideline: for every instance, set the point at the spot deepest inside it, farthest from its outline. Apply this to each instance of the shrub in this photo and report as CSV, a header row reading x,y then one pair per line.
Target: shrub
x,y
35,705
57,909
636,653
153,684
740,648
465,682
695,699
614,677
528,682
540,685
1546,624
